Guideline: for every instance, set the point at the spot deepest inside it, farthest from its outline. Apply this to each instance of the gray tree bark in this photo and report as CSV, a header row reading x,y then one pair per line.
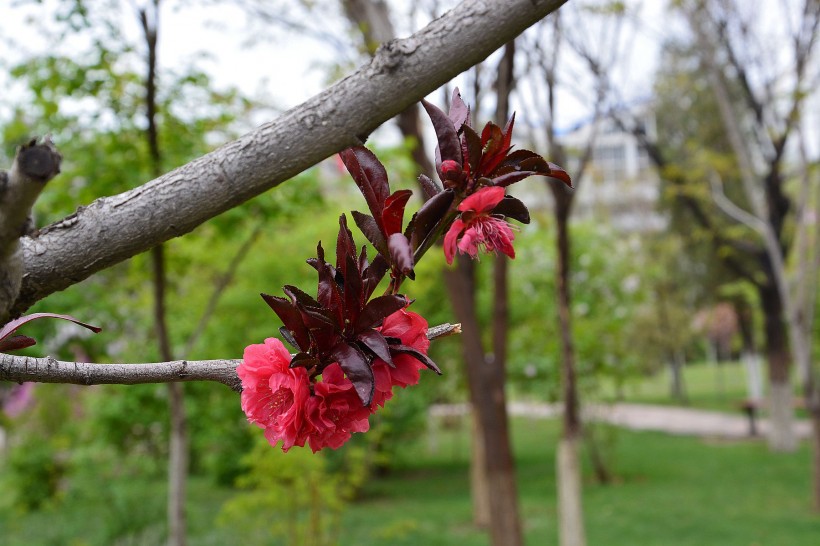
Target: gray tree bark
x,y
34,165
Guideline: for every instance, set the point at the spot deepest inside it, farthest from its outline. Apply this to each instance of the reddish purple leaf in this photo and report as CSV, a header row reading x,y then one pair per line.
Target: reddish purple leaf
x,y
401,255
421,357
370,176
508,129
491,138
511,178
448,143
353,293
559,173
345,245
374,341
367,225
15,343
13,325
459,111
378,309
429,215
373,276
393,214
357,368
328,293
292,320
20,342
304,360
428,187
472,143
513,208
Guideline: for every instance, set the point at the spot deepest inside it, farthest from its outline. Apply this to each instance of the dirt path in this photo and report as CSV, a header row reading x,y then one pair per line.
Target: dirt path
x,y
673,420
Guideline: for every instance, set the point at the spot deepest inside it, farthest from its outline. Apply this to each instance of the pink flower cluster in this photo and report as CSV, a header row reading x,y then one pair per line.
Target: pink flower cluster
x,y
326,412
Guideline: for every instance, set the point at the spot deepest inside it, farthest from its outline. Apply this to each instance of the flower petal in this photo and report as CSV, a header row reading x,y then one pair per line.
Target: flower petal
x,y
484,200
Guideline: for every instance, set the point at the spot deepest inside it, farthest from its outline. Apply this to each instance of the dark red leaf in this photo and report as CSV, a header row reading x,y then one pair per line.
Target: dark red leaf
x,y
291,318
363,261
513,208
516,157
421,357
448,143
491,138
329,293
357,368
15,343
511,178
378,309
474,149
459,111
393,214
429,215
13,325
373,276
285,333
304,360
374,341
508,129
353,294
428,187
401,255
345,245
367,225
559,173
370,175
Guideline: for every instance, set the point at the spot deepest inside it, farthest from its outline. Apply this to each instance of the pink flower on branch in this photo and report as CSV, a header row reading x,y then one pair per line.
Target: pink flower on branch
x,y
335,410
478,227
274,395
411,329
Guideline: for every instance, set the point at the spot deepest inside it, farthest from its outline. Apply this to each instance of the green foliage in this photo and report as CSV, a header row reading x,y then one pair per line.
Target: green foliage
x,y
292,498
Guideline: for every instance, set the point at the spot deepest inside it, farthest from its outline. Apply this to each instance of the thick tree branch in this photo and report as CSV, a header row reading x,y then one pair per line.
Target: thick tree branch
x,y
115,228
20,369
34,165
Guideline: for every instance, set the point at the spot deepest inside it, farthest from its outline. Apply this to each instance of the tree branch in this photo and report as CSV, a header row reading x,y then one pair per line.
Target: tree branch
x,y
34,165
50,370
115,228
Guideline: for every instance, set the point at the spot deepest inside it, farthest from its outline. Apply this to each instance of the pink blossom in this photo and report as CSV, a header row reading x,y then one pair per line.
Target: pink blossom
x,y
274,396
335,410
411,329
477,227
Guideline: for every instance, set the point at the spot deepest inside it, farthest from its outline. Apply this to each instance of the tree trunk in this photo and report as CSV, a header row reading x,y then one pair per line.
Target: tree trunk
x,y
486,384
178,434
678,386
815,427
177,466
478,478
570,513
781,397
570,509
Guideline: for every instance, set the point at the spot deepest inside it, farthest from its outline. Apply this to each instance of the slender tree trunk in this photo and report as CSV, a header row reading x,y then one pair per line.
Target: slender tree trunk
x,y
178,435
570,508
478,480
486,385
781,397
678,387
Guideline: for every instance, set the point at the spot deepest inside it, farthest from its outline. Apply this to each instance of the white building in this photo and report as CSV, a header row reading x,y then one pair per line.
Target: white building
x,y
620,185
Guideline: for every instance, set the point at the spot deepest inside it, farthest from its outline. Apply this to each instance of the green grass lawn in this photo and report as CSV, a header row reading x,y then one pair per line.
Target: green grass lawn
x,y
720,387
669,491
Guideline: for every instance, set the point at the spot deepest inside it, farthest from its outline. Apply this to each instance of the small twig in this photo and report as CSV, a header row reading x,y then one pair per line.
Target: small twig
x,y
20,369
